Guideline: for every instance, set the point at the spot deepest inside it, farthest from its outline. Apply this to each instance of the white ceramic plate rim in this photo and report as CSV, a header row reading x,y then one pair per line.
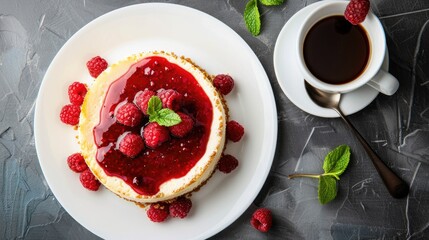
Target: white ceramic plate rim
x,y
103,213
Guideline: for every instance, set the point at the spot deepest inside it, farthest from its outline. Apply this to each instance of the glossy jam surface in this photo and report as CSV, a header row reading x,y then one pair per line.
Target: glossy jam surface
x,y
173,159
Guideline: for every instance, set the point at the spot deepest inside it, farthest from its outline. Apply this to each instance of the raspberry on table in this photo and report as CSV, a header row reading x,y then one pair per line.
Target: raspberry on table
x,y
77,92
224,83
356,11
184,127
96,66
157,212
262,219
170,99
70,114
129,115
181,207
142,99
131,144
154,135
89,181
227,163
77,163
234,131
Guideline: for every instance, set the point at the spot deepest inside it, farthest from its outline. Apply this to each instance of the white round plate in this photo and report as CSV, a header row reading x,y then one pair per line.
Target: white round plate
x,y
212,45
292,82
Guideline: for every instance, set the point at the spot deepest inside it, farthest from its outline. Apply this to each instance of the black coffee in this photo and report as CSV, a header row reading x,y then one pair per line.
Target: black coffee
x,y
336,51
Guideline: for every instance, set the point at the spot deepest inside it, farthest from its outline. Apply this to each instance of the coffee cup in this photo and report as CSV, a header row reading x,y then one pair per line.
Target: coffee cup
x,y
336,56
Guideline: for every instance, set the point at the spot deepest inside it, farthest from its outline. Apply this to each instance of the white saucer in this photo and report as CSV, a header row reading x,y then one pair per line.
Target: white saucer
x,y
292,82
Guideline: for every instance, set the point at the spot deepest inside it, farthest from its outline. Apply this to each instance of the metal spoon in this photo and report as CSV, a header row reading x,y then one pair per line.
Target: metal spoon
x,y
395,185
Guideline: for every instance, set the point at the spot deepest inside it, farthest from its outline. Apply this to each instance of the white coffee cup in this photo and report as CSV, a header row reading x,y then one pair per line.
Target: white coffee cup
x,y
372,75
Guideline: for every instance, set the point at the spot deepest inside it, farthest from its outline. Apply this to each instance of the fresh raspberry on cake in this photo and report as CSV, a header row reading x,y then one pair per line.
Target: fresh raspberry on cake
x,y
129,115
89,181
227,163
181,207
234,131
184,127
154,135
96,66
158,212
77,163
170,99
262,219
131,144
356,11
224,83
142,99
70,114
77,93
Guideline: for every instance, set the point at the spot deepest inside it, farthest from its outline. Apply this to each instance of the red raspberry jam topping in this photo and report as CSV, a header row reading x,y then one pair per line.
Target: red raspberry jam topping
x,y
173,159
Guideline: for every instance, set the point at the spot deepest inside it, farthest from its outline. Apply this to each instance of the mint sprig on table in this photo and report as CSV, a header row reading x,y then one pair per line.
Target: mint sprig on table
x,y
334,165
163,116
253,18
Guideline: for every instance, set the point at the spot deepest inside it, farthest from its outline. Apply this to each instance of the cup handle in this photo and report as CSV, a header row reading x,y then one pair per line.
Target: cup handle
x,y
384,82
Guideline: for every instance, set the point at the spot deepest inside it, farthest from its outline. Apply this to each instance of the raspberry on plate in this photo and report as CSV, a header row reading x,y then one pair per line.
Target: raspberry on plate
x,y
142,99
181,207
224,83
356,11
89,181
77,163
154,135
131,144
96,66
262,219
170,99
70,114
157,212
129,115
227,163
184,127
77,92
234,131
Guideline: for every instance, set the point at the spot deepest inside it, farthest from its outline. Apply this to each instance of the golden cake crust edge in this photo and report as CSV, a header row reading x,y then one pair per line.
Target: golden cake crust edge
x,y
197,175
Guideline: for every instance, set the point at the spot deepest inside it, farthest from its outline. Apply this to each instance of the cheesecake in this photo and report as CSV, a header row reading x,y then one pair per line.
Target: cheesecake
x,y
176,167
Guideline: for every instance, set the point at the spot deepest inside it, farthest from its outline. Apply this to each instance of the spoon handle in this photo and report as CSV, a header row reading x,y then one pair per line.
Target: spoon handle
x,y
395,185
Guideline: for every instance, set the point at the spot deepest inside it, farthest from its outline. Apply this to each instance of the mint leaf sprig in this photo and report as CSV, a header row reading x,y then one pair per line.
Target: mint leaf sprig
x,y
163,116
334,165
251,15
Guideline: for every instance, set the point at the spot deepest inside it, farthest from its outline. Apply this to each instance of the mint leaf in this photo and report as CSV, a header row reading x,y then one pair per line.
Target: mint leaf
x,y
271,2
154,105
336,161
167,117
252,17
327,189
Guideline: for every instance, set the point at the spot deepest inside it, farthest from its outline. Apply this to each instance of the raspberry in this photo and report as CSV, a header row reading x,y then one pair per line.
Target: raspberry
x,y
356,11
70,114
131,144
154,135
181,207
77,163
142,99
157,212
96,66
227,163
170,99
129,115
184,127
89,181
224,83
234,131
262,219
77,92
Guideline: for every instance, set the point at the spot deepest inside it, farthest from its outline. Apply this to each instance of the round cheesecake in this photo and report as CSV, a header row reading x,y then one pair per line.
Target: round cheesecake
x,y
178,166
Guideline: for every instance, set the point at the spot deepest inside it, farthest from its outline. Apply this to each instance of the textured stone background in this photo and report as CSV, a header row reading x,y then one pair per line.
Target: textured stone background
x,y
397,127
